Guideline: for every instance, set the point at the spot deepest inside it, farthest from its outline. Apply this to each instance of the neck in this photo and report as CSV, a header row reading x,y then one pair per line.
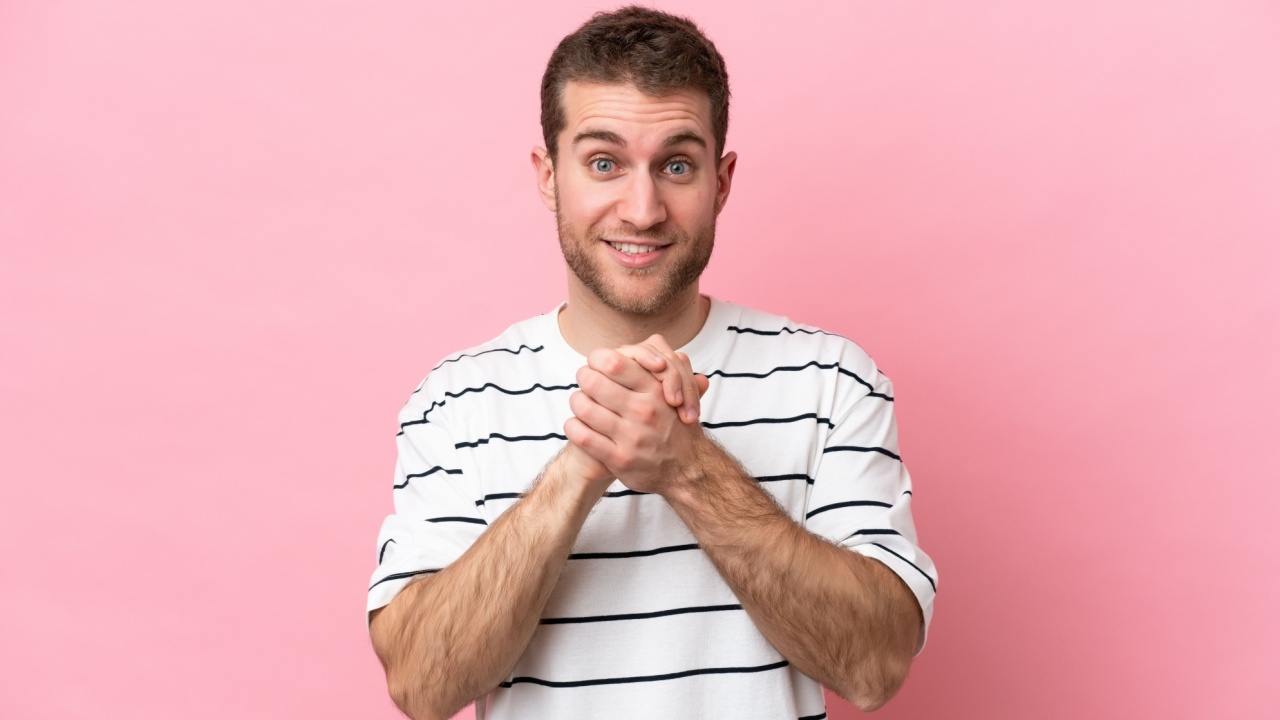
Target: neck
x,y
587,324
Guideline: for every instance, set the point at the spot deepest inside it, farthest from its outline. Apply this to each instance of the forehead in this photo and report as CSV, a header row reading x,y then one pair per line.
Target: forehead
x,y
625,110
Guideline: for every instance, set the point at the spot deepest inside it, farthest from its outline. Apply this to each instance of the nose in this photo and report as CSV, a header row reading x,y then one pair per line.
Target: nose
x,y
641,203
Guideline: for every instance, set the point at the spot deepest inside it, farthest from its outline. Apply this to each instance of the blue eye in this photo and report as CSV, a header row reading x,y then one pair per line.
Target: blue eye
x,y
677,167
601,165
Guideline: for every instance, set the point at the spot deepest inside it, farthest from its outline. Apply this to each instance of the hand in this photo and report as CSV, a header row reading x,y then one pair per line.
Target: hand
x,y
682,388
624,421
576,466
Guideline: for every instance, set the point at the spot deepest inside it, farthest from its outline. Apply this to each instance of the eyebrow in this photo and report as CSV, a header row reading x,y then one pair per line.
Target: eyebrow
x,y
614,138
683,137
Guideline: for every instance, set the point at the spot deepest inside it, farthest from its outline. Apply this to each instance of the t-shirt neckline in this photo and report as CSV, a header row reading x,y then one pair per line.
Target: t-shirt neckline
x,y
702,349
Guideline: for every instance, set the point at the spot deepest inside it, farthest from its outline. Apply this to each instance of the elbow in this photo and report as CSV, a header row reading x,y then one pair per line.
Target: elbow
x,y
871,687
403,696
414,700
870,702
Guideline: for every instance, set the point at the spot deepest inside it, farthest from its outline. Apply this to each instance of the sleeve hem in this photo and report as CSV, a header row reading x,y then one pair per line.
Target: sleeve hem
x,y
916,580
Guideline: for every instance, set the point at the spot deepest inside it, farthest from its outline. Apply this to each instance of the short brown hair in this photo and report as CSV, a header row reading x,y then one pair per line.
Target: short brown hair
x,y
652,50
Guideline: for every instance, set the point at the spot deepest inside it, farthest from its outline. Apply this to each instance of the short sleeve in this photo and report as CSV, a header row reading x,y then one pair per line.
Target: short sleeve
x,y
436,517
862,494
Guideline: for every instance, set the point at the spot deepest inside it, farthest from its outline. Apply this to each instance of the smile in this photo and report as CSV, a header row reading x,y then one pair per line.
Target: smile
x,y
632,248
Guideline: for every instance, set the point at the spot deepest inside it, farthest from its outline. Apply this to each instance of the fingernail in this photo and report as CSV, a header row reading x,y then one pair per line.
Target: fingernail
x,y
679,396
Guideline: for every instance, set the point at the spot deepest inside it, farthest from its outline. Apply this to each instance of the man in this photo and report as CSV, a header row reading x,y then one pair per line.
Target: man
x,y
579,534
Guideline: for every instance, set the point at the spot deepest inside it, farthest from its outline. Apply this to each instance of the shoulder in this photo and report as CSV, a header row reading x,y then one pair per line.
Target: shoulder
x,y
511,354
786,341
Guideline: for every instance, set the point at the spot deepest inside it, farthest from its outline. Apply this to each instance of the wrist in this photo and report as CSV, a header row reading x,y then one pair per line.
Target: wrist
x,y
693,477
568,478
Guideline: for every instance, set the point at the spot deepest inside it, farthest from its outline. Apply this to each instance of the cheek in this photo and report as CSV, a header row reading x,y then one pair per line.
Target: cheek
x,y
584,204
695,206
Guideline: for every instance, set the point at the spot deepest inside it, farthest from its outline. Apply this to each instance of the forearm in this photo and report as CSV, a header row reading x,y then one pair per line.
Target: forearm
x,y
453,636
839,617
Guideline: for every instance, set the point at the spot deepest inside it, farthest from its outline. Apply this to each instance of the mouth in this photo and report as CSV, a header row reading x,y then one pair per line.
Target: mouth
x,y
633,248
635,255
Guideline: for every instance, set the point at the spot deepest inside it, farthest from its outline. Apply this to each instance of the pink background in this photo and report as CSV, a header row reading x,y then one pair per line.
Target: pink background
x,y
236,234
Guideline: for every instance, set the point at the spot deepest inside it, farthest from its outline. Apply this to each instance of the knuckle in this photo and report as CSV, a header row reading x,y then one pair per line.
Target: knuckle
x,y
600,358
645,413
572,431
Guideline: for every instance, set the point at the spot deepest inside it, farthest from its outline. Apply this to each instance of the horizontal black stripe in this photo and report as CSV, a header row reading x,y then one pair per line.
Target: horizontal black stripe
x,y
638,616
435,469
932,584
509,496
515,438
792,476
626,492
498,496
505,391
476,521
517,351
848,503
397,576
770,421
422,420
623,493
872,531
792,331
794,368
855,448
383,550
482,388
632,553
643,678
820,716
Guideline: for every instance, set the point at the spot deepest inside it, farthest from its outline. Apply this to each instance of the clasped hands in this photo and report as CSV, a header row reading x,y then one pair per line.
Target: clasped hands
x,y
635,416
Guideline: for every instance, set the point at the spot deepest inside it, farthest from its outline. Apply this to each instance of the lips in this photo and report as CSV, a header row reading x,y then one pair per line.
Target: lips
x,y
634,255
633,248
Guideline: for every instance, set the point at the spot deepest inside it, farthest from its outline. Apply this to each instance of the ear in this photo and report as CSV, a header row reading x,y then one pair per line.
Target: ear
x,y
545,172
724,178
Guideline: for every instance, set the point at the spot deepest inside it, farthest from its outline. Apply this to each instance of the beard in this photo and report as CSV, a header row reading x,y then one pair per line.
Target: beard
x,y
689,257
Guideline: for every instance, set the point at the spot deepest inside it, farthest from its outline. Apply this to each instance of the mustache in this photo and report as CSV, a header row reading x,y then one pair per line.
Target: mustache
x,y
663,236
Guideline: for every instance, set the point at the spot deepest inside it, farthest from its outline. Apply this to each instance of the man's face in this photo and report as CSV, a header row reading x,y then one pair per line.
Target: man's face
x,y
636,190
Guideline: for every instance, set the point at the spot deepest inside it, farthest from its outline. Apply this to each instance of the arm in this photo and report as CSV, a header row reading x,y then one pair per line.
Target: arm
x,y
841,618
448,639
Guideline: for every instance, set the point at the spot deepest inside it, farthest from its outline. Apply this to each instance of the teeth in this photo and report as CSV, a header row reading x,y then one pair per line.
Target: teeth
x,y
630,248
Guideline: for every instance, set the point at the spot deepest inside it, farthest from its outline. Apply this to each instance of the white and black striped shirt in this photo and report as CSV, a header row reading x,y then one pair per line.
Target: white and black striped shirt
x,y
640,624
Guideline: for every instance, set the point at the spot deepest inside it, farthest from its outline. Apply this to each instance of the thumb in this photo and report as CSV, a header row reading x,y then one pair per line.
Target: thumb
x,y
703,383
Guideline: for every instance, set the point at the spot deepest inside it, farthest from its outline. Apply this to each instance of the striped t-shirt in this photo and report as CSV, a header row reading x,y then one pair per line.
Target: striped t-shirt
x,y
640,624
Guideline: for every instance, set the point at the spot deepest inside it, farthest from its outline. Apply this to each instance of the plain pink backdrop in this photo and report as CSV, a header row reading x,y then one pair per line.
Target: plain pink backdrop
x,y
234,236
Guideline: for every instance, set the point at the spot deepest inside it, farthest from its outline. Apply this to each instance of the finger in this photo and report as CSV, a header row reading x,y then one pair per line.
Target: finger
x,y
657,365
621,369
703,383
648,359
604,391
594,415
599,447
679,389
693,396
690,408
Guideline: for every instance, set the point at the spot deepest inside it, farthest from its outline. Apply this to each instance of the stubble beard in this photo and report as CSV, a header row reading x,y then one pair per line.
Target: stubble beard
x,y
580,254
